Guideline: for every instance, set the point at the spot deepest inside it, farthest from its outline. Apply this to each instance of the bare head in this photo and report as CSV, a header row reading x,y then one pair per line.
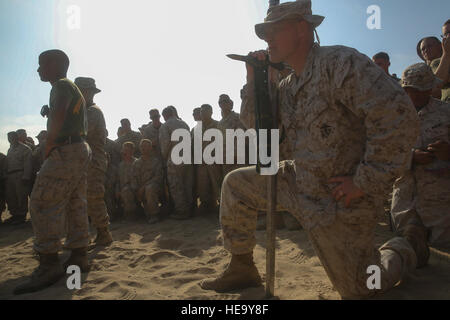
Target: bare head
x,y
126,125
168,113
146,147
446,29
127,150
206,112
382,60
154,115
429,48
225,103
53,65
196,114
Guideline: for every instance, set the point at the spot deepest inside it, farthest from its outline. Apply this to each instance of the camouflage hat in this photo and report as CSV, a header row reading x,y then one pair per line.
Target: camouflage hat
x,y
42,134
419,76
289,10
87,83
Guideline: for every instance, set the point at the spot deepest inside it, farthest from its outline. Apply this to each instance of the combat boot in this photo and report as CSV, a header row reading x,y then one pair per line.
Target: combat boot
x,y
417,238
48,273
241,273
104,237
78,257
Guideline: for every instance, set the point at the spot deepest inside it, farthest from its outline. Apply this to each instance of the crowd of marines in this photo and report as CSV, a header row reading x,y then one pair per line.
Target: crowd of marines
x,y
361,127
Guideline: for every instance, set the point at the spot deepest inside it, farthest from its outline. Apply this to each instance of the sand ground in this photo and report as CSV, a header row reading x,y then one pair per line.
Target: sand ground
x,y
168,260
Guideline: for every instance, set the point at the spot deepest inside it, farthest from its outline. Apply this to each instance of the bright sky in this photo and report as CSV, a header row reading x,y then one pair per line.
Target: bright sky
x,y
151,54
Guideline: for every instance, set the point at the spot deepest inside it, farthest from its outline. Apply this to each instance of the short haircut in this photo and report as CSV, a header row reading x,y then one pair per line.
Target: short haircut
x,y
128,144
58,56
207,106
168,111
196,109
153,111
125,121
446,22
146,141
175,111
419,51
21,131
381,55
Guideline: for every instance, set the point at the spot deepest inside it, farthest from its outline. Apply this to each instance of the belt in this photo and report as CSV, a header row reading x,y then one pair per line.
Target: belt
x,y
73,139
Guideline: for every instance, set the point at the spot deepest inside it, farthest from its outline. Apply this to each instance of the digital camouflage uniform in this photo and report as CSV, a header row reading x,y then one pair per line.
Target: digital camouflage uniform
x,y
96,138
38,158
124,186
131,136
233,122
343,116
425,189
61,184
111,179
19,173
179,177
208,176
113,151
152,133
148,174
112,148
446,89
2,184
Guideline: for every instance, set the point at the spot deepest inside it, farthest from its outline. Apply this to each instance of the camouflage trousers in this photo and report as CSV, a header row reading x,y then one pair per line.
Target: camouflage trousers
x,y
2,197
180,181
423,197
209,182
96,198
345,247
128,200
17,195
60,190
152,194
110,200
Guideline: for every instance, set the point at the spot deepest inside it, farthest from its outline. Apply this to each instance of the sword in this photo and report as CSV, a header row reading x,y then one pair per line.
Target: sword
x,y
265,118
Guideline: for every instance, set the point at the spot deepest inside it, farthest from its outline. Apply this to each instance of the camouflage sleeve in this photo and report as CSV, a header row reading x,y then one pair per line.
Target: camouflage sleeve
x,y
435,64
27,164
102,128
247,114
116,181
134,181
390,120
164,141
158,174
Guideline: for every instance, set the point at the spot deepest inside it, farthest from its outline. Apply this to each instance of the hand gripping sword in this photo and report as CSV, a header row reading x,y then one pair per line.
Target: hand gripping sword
x,y
265,118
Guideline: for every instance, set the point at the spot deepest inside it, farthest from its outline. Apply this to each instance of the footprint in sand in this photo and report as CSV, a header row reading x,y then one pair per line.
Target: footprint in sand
x,y
155,257
170,244
191,253
205,271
